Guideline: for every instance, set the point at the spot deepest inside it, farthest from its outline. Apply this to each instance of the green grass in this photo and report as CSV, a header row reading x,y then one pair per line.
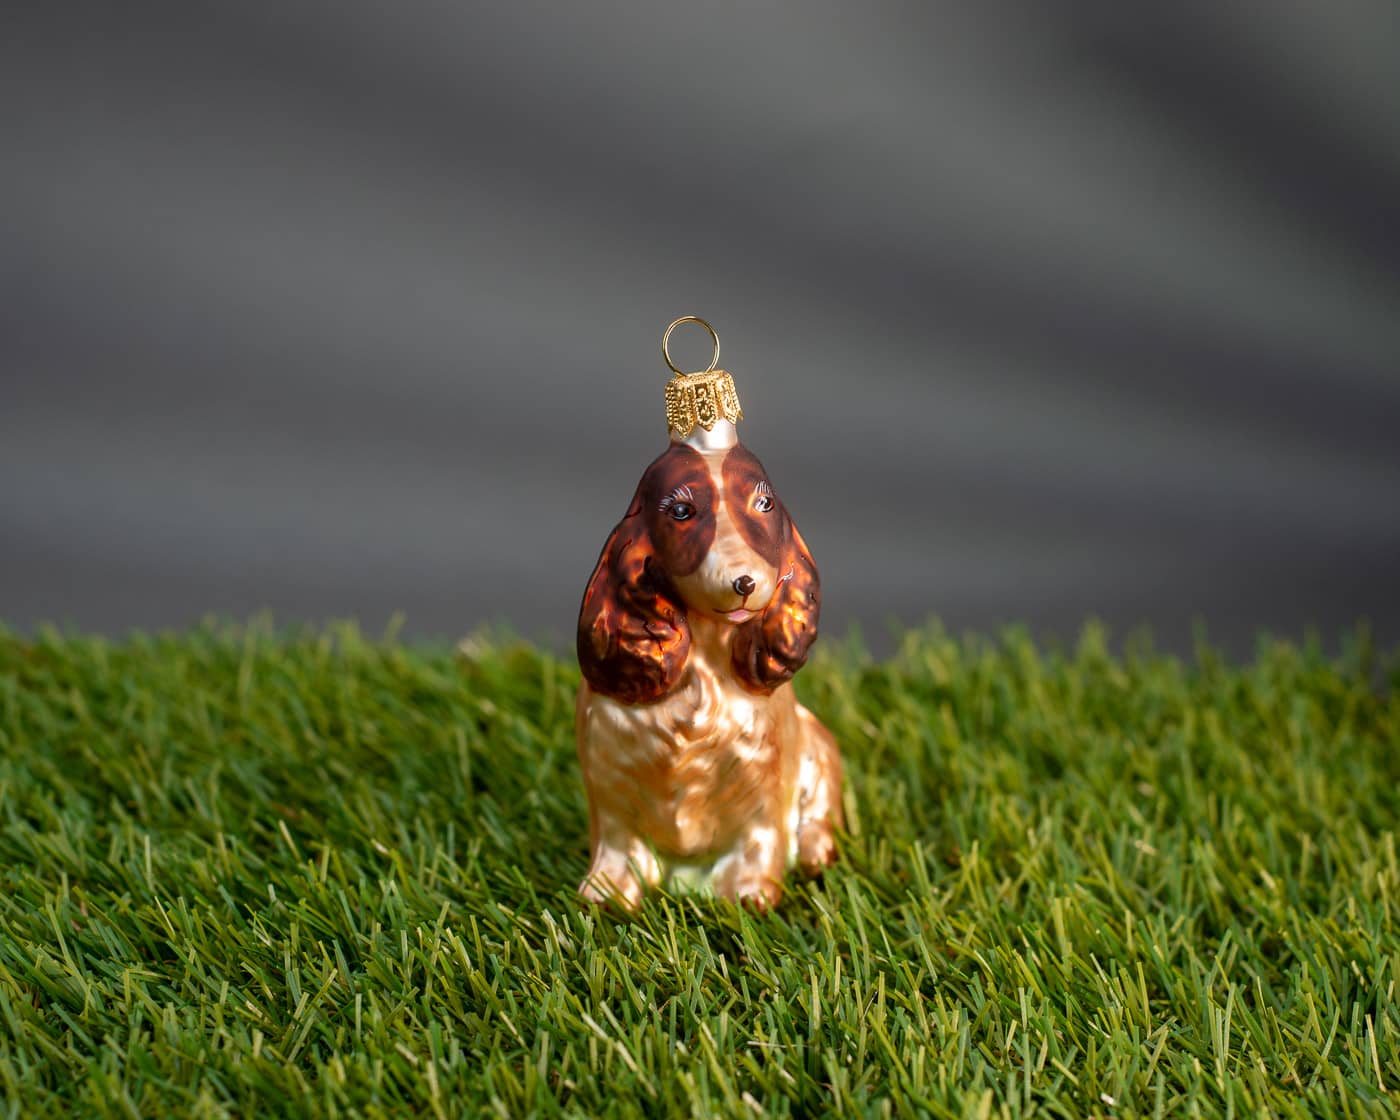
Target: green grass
x,y
256,874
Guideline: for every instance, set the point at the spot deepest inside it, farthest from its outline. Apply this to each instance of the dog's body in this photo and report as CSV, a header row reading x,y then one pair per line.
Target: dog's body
x,y
714,787
701,767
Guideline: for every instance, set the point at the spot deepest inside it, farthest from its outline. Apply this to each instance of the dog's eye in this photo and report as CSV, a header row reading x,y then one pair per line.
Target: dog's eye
x,y
763,503
681,511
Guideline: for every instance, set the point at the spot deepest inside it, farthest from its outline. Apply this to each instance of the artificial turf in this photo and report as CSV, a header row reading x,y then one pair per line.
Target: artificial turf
x,y
256,874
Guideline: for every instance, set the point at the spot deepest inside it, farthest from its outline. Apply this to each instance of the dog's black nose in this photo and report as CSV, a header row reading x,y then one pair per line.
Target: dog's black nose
x,y
744,585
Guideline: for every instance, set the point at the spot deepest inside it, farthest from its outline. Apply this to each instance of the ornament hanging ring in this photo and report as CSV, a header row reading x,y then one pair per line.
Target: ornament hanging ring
x,y
666,338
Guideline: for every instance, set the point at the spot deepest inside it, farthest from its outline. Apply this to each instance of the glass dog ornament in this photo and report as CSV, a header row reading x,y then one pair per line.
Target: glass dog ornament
x,y
702,770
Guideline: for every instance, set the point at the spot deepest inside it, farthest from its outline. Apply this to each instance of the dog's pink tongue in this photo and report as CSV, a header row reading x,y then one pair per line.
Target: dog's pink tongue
x,y
740,615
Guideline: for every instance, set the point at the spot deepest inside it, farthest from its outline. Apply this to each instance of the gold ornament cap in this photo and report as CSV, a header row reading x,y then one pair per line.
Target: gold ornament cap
x,y
702,399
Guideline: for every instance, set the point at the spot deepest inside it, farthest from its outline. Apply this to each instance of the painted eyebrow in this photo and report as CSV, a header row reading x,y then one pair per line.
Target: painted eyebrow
x,y
761,487
679,494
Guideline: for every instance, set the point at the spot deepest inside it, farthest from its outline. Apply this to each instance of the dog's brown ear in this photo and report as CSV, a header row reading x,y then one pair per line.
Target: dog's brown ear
x,y
633,638
769,649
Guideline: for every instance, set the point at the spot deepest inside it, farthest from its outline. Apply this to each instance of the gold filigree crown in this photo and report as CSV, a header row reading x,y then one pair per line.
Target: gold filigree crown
x,y
700,398
703,398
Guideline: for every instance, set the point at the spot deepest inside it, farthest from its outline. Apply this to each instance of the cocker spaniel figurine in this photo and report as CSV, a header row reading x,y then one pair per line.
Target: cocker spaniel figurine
x,y
702,769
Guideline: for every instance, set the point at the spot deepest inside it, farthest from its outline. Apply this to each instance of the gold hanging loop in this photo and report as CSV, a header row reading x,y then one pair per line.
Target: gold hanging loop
x,y
666,340
700,399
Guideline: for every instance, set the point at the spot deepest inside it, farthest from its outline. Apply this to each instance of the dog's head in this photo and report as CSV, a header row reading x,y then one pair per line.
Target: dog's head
x,y
704,534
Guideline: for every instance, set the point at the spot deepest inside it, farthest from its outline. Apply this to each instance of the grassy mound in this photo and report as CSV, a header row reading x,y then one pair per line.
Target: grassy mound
x,y
249,874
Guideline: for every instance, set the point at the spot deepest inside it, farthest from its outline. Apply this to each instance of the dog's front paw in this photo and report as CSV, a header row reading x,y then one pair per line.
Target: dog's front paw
x,y
754,893
619,892
816,847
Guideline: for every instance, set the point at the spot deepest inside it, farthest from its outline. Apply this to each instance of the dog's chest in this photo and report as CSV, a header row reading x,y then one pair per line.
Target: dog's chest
x,y
706,726
691,770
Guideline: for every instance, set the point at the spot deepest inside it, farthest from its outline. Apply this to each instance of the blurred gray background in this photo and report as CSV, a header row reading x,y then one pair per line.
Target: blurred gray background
x,y
1037,312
